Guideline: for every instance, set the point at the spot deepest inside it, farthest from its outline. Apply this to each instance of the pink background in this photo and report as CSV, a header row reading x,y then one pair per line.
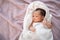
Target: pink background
x,y
12,13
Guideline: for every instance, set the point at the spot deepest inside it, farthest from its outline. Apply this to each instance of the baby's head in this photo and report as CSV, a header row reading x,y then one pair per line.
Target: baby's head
x,y
38,15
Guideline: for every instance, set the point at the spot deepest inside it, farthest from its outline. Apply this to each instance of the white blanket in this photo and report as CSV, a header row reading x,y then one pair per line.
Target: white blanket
x,y
41,32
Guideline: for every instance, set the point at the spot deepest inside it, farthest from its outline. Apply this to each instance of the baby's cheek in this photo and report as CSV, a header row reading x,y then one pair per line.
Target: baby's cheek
x,y
37,18
33,19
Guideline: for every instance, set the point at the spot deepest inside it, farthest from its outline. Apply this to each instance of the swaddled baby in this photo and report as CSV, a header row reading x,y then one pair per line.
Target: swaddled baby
x,y
38,30
43,32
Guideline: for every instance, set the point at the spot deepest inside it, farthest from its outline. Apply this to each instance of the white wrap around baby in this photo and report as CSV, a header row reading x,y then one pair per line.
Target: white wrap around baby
x,y
41,33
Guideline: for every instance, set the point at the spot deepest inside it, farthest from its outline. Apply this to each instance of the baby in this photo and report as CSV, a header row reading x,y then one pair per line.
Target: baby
x,y
38,30
38,17
43,32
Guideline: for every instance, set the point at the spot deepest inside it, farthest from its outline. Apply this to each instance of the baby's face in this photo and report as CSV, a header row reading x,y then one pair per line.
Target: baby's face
x,y
37,17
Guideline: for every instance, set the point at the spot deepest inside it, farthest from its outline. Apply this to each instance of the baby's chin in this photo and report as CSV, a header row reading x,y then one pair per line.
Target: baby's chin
x,y
37,21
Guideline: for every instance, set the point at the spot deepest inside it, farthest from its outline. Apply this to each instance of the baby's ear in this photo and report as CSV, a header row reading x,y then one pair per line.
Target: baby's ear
x,y
43,17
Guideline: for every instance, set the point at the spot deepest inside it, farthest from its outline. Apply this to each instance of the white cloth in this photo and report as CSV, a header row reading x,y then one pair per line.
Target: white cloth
x,y
43,34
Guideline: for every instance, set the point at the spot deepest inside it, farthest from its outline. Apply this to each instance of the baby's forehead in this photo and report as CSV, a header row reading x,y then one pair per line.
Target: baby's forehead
x,y
36,12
